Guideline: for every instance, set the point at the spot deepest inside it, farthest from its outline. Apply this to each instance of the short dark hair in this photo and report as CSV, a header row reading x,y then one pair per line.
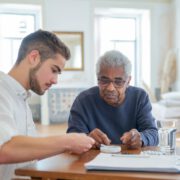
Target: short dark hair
x,y
47,43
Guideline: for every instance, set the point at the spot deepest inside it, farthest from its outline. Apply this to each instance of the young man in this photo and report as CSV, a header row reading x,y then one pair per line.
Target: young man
x,y
41,58
114,112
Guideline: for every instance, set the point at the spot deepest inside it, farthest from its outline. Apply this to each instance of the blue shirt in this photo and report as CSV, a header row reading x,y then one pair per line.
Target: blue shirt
x,y
90,111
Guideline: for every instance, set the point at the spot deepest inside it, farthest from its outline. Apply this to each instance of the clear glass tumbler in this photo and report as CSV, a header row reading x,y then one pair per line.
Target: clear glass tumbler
x,y
167,136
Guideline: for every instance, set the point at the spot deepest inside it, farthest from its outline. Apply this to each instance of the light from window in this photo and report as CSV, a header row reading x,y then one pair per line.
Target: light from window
x,y
126,30
15,23
119,34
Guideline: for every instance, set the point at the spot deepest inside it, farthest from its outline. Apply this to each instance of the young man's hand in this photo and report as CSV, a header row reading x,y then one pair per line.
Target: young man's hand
x,y
79,143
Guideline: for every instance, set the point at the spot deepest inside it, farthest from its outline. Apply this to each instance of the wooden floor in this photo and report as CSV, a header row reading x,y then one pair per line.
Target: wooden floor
x,y
53,129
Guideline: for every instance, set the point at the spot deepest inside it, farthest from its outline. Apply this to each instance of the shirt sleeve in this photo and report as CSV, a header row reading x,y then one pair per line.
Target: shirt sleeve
x,y
146,122
77,119
6,120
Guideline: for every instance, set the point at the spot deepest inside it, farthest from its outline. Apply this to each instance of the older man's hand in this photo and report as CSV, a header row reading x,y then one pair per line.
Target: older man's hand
x,y
132,139
99,137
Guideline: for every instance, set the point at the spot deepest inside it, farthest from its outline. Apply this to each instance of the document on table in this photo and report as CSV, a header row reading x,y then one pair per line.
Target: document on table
x,y
149,163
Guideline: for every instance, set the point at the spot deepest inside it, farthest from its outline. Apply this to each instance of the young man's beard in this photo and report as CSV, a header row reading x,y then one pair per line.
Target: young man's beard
x,y
33,82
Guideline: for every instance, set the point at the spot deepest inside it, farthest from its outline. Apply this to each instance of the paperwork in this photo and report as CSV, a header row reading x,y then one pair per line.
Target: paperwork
x,y
149,163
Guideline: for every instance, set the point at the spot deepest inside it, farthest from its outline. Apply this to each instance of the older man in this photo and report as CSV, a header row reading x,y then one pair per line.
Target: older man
x,y
114,112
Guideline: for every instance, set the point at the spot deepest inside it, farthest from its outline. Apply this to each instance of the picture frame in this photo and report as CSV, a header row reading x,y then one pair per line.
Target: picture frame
x,y
74,40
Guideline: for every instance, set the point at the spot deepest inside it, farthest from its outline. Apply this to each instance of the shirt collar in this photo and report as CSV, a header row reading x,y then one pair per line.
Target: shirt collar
x,y
15,86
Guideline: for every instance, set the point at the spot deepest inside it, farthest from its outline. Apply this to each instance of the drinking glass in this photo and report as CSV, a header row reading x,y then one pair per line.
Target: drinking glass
x,y
167,136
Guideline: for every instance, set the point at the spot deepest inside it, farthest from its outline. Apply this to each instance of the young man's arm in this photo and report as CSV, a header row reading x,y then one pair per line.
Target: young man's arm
x,y
23,148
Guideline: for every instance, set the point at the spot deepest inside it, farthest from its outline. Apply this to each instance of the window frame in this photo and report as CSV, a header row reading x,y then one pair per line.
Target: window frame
x,y
20,9
140,15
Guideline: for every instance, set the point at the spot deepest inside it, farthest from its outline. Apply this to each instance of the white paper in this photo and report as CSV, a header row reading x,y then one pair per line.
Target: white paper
x,y
149,163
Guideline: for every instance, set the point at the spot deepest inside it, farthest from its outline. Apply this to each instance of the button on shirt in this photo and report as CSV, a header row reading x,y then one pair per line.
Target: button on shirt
x,y
15,117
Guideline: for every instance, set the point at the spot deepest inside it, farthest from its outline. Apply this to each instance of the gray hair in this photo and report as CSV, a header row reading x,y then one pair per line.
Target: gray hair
x,y
114,58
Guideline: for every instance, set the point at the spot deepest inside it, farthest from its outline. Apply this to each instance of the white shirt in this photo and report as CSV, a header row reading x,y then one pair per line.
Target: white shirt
x,y
15,117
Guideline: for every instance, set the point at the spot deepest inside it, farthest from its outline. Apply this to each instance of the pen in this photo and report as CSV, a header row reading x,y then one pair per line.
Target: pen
x,y
130,155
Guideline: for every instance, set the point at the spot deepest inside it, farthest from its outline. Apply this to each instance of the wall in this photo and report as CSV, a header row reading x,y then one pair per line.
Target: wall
x,y
160,30
176,39
22,1
77,15
70,15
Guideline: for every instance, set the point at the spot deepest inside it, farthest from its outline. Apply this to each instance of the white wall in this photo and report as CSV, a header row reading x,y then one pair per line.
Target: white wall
x,y
160,41
176,39
160,30
77,15
73,15
22,1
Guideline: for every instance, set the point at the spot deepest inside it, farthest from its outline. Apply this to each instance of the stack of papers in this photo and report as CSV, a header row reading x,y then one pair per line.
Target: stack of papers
x,y
149,163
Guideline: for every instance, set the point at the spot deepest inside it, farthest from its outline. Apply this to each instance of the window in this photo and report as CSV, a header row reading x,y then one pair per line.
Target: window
x,y
23,20
124,31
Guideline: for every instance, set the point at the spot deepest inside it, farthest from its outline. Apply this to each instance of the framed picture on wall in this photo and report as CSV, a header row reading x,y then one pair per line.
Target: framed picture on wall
x,y
74,40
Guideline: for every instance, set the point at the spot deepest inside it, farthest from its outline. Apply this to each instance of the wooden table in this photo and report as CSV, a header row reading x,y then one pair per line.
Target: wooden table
x,y
68,166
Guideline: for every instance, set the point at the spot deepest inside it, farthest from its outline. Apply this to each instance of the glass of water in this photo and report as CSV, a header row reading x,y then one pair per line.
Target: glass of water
x,y
167,136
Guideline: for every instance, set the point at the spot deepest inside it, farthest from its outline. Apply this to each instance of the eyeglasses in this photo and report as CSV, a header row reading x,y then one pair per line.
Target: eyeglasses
x,y
117,83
